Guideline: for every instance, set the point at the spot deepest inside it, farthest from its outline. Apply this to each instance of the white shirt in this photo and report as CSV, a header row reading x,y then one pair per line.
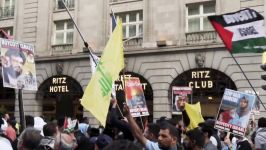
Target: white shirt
x,y
213,140
5,144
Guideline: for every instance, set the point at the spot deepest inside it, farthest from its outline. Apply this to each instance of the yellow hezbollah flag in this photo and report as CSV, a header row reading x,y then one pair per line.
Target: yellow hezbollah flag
x,y
96,98
194,115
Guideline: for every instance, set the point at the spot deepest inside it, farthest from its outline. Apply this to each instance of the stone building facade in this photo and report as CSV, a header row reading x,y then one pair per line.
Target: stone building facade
x,y
162,40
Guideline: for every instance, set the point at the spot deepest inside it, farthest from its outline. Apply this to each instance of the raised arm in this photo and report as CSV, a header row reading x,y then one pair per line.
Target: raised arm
x,y
136,131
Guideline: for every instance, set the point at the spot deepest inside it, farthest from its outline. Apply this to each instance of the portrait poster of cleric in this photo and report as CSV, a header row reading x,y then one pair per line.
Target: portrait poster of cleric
x,y
18,66
135,97
234,113
180,95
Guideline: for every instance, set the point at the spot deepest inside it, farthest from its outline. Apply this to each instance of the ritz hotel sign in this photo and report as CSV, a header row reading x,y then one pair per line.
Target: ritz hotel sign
x,y
59,85
201,79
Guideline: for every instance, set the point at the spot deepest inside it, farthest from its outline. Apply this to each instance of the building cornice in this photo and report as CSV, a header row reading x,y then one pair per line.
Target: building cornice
x,y
134,52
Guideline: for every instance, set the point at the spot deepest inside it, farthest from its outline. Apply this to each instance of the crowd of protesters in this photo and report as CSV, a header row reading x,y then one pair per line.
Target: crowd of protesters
x,y
125,133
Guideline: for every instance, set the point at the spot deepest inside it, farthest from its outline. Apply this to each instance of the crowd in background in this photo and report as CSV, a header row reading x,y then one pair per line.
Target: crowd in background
x,y
125,132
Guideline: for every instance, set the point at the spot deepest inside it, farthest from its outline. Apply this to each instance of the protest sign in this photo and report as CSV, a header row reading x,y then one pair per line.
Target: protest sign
x,y
234,112
18,66
135,97
179,95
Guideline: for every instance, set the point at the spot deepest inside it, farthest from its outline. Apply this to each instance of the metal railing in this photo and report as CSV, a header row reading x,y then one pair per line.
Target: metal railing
x,y
133,42
70,4
62,49
7,12
113,1
201,37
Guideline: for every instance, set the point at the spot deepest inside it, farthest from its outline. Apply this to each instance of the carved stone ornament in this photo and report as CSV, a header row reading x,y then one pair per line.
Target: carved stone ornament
x,y
200,60
59,68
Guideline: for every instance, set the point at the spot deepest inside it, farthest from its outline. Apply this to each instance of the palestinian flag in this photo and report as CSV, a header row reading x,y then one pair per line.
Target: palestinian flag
x,y
241,31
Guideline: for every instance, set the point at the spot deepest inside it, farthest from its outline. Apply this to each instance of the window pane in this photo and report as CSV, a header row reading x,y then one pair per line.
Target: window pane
x,y
207,25
194,24
208,8
59,25
124,31
70,25
132,17
69,38
60,5
59,38
140,30
7,3
69,3
140,16
193,10
132,30
123,17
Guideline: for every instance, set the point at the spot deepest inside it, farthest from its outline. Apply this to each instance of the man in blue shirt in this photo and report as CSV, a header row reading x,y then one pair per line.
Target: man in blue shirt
x,y
167,139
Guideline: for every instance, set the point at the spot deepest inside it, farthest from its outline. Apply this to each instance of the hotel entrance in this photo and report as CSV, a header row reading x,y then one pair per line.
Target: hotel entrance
x,y
207,85
7,99
60,97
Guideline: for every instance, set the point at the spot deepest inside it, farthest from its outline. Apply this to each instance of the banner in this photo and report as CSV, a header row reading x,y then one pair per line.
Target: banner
x,y
234,112
18,65
180,94
135,97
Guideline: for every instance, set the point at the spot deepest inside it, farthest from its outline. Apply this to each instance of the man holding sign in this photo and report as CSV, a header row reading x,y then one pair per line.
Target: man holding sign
x,y
237,105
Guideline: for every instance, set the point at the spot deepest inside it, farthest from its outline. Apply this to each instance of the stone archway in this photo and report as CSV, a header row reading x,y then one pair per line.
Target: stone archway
x,y
60,96
207,85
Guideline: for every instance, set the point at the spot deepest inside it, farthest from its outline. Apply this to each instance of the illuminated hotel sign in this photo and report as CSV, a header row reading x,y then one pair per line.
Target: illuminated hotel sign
x,y
118,83
200,79
59,85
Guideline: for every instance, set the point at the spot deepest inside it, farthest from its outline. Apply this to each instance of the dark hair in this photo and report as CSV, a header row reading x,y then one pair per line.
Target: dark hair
x,y
103,140
29,121
207,129
1,121
262,122
154,129
60,121
30,138
196,136
16,53
161,119
93,132
49,129
172,130
84,119
122,145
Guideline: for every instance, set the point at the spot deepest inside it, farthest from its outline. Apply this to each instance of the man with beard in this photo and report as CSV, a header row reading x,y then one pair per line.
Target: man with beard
x,y
241,117
13,62
167,139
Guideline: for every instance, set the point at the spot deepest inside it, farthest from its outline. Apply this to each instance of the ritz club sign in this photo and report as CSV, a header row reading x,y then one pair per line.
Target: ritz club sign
x,y
201,79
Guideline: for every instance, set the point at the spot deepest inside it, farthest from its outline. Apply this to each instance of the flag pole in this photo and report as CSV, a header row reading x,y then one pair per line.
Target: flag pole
x,y
85,43
247,80
21,110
